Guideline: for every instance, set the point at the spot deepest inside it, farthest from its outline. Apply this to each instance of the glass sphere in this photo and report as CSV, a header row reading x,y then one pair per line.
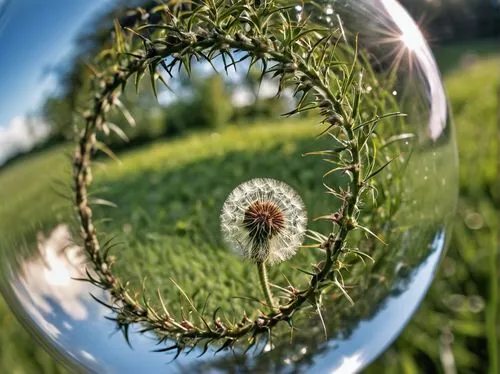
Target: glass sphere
x,y
112,185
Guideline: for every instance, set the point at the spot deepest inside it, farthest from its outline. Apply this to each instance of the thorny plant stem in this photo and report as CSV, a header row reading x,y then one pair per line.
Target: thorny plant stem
x,y
130,309
82,179
82,161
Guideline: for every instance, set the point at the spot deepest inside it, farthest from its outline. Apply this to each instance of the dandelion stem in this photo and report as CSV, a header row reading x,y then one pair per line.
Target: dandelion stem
x,y
264,282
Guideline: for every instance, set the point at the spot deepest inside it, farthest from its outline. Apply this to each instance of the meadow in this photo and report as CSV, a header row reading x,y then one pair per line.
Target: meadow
x,y
141,192
457,328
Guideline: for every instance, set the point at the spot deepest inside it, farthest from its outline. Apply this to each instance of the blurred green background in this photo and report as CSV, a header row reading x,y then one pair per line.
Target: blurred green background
x,y
457,328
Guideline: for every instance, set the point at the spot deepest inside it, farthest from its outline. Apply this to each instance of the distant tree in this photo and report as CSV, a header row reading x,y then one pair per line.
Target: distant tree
x,y
445,20
208,105
213,102
57,112
450,20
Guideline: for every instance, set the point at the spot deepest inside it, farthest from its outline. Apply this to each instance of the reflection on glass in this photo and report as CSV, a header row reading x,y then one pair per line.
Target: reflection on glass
x,y
170,188
61,309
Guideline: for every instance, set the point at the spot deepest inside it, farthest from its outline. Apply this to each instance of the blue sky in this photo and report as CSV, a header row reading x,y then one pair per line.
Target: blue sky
x,y
35,36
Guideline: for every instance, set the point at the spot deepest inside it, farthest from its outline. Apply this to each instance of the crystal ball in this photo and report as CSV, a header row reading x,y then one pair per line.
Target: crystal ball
x,y
240,186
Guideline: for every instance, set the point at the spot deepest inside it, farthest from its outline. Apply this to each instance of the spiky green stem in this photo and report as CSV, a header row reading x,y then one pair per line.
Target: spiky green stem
x,y
183,42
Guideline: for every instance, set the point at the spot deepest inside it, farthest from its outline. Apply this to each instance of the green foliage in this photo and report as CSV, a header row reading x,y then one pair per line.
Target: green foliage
x,y
209,107
459,56
59,115
212,103
263,108
459,317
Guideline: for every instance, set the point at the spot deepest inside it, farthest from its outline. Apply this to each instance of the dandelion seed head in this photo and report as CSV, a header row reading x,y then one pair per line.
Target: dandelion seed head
x,y
264,220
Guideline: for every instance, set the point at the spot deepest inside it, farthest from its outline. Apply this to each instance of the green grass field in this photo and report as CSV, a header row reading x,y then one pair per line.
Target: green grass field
x,y
165,208
457,327
145,199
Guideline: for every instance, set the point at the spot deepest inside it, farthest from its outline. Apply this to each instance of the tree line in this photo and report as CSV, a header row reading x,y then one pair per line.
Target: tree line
x,y
209,105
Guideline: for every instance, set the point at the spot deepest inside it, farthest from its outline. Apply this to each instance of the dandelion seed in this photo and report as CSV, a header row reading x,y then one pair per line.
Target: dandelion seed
x,y
264,221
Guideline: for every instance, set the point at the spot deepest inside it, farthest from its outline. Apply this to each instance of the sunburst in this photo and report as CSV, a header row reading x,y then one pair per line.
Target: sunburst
x,y
401,35
407,52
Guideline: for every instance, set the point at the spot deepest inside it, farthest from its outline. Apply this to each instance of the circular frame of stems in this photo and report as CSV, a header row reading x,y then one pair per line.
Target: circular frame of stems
x,y
302,54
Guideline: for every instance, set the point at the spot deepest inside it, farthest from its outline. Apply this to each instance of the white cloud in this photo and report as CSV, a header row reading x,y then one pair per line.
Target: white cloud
x,y
87,356
21,135
242,97
350,364
52,276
